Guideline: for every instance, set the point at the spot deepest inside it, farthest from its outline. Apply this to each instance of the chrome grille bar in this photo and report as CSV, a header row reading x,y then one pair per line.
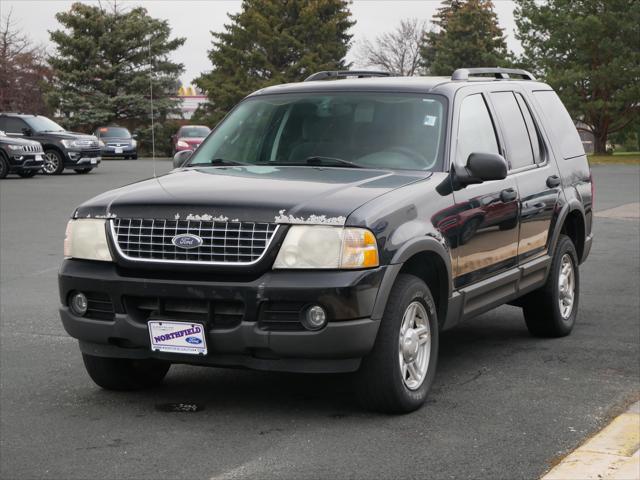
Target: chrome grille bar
x,y
223,243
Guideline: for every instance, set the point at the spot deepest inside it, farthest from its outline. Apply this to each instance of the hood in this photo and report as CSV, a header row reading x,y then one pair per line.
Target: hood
x,y
17,141
252,193
116,139
66,135
192,140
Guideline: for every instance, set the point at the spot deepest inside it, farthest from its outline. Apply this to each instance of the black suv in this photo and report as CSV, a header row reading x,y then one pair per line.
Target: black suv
x,y
24,157
338,226
62,149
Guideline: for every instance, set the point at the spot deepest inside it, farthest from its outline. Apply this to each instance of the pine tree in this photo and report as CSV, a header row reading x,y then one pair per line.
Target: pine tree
x,y
102,66
271,42
467,35
588,51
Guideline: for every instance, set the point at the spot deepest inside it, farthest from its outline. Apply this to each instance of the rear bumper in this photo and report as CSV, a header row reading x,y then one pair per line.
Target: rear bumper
x,y
348,298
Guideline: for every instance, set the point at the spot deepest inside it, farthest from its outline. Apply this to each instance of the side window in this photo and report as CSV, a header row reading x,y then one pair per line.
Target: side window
x,y
475,129
560,123
536,142
514,129
13,125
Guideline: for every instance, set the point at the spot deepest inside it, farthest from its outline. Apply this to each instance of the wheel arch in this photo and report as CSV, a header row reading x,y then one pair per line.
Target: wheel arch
x,y
427,259
571,222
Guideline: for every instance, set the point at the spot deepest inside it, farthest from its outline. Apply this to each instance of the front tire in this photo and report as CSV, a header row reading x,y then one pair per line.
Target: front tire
x,y
53,162
125,373
397,375
4,167
27,173
82,171
551,310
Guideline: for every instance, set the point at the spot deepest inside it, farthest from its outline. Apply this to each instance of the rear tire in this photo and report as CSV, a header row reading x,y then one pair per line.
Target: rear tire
x,y
551,310
53,162
125,373
397,375
27,173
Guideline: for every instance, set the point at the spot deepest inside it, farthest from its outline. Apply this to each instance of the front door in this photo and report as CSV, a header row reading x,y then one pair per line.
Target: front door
x,y
486,214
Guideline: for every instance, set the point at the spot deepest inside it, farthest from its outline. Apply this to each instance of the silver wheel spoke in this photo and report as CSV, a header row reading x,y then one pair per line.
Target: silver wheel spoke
x,y
414,345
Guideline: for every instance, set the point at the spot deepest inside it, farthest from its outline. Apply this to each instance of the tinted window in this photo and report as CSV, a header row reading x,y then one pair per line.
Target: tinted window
x,y
113,132
43,124
12,125
514,130
560,123
536,142
381,130
475,129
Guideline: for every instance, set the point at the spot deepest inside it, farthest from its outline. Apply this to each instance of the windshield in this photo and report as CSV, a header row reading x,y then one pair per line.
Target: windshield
x,y
43,124
194,132
114,132
371,130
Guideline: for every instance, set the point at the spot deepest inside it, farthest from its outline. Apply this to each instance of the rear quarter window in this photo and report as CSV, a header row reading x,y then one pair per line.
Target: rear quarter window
x,y
559,123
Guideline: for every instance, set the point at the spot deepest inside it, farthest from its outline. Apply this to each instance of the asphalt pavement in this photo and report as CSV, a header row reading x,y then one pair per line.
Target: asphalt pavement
x,y
503,405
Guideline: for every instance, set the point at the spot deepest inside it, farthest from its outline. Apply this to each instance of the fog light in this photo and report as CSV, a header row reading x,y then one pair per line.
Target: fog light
x,y
78,303
314,318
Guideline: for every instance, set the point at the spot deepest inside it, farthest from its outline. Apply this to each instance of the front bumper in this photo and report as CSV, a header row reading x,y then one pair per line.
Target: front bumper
x,y
82,158
24,162
121,151
347,296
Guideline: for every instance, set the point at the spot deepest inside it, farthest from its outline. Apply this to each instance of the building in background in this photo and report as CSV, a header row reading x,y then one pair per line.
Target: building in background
x,y
190,98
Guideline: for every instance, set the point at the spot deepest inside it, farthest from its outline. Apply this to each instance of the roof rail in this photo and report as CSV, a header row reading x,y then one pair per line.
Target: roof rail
x,y
346,73
498,72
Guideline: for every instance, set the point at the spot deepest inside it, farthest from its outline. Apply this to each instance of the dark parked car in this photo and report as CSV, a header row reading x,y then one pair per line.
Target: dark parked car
x,y
117,142
23,157
321,228
62,149
189,137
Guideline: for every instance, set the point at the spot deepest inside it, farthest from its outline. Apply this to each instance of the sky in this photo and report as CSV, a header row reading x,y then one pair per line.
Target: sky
x,y
195,19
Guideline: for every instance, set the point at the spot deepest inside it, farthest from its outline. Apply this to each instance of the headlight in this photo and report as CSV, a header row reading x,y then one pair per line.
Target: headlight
x,y
134,143
70,143
182,144
86,238
15,147
319,246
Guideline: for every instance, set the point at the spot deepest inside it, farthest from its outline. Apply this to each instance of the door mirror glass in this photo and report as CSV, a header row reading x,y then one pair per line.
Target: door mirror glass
x,y
27,132
180,158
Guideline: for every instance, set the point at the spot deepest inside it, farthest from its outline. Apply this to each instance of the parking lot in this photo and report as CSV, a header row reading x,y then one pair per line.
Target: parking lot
x,y
504,404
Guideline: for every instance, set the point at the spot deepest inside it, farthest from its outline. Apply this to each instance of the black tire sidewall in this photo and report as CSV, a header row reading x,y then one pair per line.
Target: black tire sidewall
x,y
4,167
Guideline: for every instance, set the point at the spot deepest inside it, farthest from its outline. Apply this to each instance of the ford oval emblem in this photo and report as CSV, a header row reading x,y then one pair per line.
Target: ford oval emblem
x,y
186,240
193,340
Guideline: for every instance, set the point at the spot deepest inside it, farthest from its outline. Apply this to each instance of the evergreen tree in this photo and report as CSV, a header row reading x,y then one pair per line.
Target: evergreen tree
x,y
467,35
588,51
271,42
103,63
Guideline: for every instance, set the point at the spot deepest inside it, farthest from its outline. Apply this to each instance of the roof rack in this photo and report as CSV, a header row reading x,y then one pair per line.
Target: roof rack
x,y
498,72
346,73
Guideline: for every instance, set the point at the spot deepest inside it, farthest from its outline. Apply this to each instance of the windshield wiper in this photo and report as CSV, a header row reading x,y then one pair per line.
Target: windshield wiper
x,y
218,161
318,160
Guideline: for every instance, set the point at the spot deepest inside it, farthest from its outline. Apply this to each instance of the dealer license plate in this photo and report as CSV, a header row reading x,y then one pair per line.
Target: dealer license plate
x,y
94,161
177,337
118,150
39,157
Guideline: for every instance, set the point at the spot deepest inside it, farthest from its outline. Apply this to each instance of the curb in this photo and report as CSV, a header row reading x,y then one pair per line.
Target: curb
x,y
611,454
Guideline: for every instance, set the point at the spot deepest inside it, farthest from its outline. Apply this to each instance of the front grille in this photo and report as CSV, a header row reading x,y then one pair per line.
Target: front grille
x,y
215,314
32,148
282,316
90,153
221,242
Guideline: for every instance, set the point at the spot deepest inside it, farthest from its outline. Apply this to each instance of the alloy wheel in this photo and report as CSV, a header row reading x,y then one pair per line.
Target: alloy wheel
x,y
414,347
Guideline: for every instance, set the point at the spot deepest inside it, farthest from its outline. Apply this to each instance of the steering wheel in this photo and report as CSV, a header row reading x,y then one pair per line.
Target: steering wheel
x,y
417,158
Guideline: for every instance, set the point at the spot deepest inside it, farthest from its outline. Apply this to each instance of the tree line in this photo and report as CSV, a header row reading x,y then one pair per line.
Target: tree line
x,y
107,58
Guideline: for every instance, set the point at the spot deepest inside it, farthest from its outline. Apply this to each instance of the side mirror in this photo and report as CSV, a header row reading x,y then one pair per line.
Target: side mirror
x,y
482,167
27,132
134,136
180,158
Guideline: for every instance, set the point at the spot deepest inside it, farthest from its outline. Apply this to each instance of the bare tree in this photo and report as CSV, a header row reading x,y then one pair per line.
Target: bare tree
x,y
397,51
23,71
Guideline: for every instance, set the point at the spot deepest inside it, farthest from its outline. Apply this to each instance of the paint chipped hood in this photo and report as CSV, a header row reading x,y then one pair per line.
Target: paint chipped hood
x,y
254,193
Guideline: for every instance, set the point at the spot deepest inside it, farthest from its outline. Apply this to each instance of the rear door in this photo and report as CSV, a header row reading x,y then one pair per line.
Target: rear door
x,y
531,165
484,224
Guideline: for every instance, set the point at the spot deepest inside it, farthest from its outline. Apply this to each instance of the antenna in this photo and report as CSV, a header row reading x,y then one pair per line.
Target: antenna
x,y
153,130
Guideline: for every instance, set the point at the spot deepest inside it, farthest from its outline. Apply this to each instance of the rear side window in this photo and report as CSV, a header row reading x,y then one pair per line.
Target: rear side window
x,y
514,130
475,129
560,124
536,142
12,125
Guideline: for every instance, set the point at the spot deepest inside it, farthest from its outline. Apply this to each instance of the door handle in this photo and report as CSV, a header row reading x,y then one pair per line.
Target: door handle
x,y
553,181
508,195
